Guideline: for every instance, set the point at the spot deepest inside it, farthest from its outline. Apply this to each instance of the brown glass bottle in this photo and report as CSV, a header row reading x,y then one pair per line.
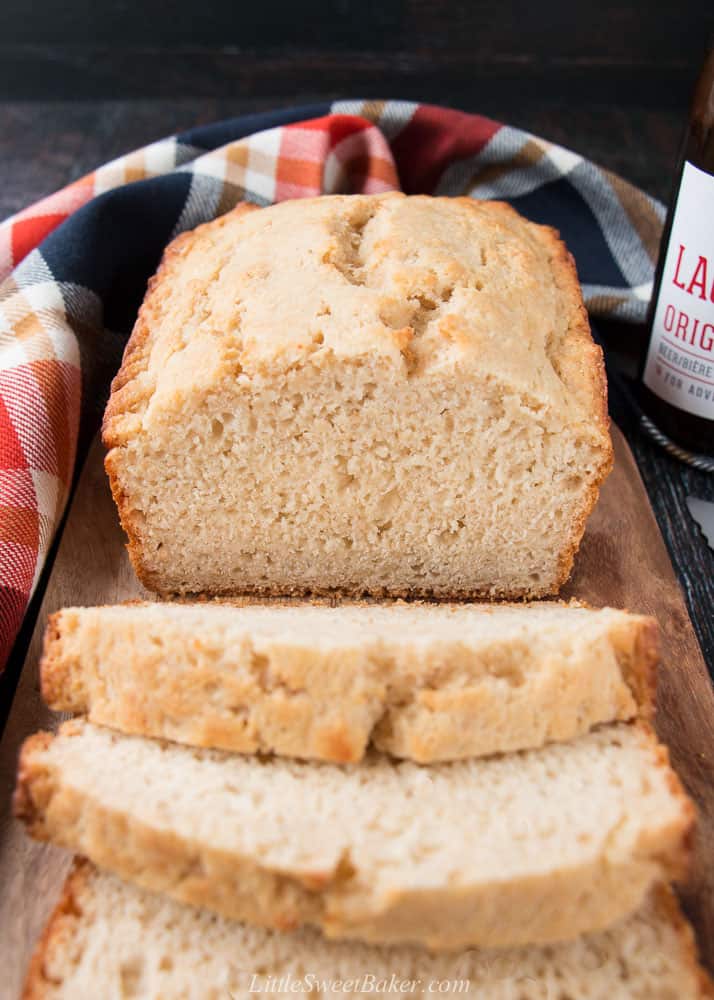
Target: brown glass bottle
x,y
677,377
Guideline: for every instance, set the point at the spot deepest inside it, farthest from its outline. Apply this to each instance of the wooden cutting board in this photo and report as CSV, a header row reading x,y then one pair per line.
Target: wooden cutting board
x,y
622,562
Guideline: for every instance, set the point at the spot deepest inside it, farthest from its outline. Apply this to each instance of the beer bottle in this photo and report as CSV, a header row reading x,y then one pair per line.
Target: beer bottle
x,y
677,378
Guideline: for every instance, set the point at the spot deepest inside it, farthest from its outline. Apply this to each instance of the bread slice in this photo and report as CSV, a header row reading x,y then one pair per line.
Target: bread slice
x,y
375,394
426,682
110,939
525,848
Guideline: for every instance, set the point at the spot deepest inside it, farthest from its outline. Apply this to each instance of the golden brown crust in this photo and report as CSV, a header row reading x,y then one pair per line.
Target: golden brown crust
x,y
678,841
34,786
565,270
129,523
641,671
59,677
668,907
493,595
65,915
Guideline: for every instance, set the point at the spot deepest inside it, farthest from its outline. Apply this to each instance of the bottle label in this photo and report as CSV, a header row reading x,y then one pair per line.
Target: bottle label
x,y
680,358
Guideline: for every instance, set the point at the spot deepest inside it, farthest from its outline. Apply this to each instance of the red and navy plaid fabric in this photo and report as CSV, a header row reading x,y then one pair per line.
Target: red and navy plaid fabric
x,y
75,265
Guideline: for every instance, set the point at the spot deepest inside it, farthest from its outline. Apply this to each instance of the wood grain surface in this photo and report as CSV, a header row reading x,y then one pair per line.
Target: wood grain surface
x,y
613,49
622,562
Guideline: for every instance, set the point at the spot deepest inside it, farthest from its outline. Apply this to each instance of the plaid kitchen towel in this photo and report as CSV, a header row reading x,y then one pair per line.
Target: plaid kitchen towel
x,y
75,265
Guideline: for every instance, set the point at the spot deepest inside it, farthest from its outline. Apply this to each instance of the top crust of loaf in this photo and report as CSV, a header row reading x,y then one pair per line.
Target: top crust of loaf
x,y
226,293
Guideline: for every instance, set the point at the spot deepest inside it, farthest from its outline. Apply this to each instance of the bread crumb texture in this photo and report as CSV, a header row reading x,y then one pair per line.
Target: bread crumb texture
x,y
522,848
422,681
110,939
383,395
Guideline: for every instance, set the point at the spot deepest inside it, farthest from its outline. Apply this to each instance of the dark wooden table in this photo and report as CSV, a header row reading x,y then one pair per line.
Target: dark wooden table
x,y
77,89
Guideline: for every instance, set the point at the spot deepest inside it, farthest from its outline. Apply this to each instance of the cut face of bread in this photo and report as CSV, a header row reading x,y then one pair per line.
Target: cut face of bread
x,y
426,682
381,395
526,848
110,939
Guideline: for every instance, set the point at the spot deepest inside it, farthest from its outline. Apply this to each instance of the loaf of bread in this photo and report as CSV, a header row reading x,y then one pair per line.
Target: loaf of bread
x,y
108,939
426,682
381,395
529,847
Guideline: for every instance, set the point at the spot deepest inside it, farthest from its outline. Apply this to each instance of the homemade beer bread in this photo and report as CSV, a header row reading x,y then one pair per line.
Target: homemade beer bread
x,y
380,394
529,847
108,939
426,682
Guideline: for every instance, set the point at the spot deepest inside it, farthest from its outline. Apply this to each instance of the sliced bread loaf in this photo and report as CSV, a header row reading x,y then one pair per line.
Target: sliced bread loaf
x,y
110,939
529,847
426,682
373,394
